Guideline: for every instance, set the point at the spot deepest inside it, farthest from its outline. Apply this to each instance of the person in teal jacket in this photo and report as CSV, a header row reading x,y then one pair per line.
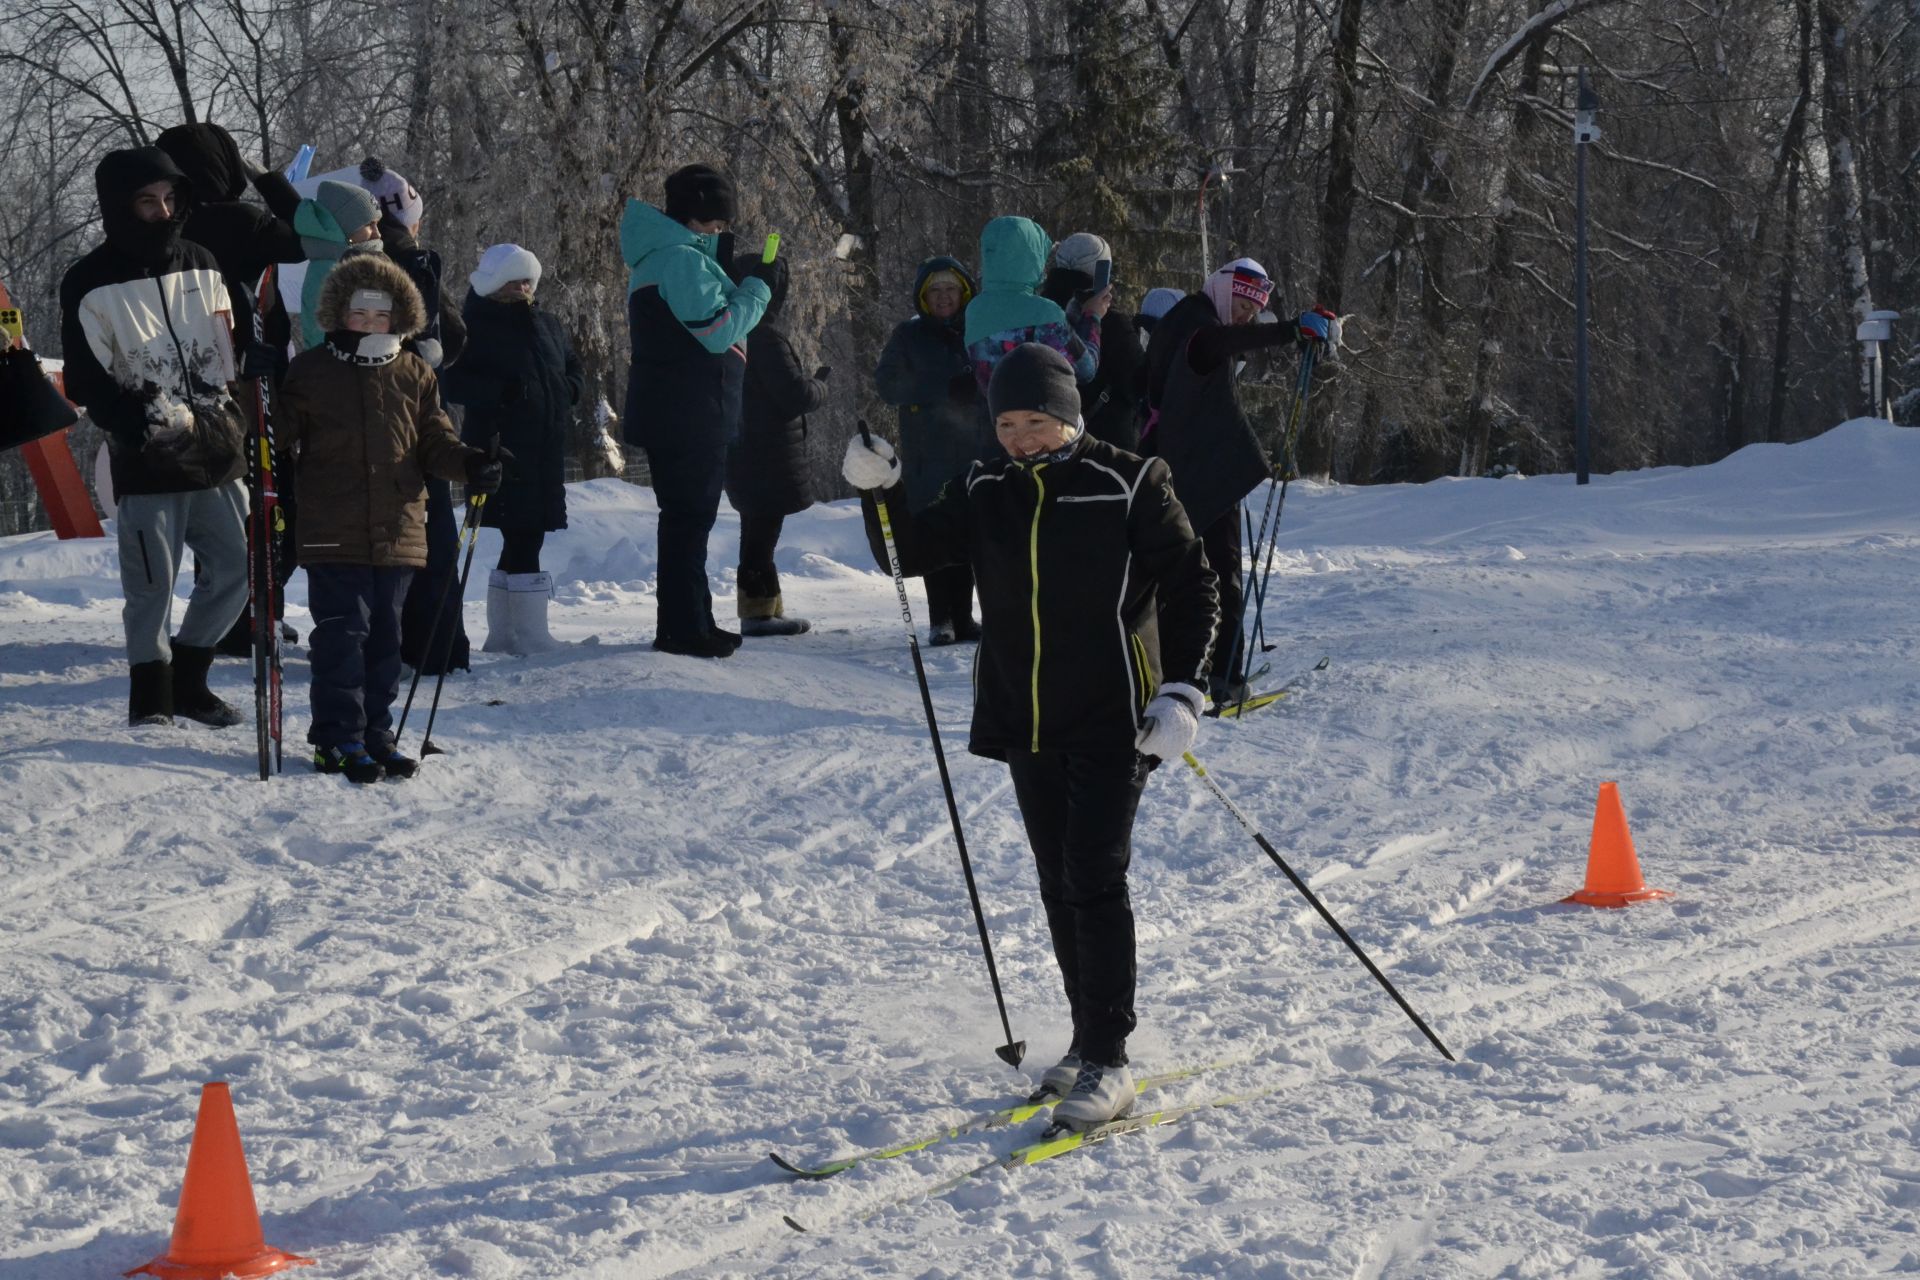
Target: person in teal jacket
x,y
339,219
1009,310
688,322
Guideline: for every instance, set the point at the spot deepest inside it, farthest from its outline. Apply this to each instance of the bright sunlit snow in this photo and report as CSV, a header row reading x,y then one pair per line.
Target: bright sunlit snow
x,y
543,1010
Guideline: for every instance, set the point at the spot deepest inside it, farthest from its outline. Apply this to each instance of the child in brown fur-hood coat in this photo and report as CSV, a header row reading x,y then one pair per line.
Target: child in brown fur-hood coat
x,y
363,419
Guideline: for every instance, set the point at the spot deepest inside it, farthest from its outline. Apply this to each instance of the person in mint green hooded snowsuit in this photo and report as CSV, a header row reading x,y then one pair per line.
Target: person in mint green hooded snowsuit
x,y
1009,310
688,322
340,218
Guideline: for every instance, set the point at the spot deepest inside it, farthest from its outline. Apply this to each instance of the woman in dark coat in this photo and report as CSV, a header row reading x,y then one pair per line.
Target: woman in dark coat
x,y
767,466
519,381
943,424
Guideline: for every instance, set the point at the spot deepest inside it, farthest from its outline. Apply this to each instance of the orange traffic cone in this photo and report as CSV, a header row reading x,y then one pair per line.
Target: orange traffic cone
x,y
1613,872
216,1232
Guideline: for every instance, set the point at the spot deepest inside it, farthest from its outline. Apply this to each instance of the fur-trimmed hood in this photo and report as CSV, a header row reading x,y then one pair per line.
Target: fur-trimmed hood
x,y
370,271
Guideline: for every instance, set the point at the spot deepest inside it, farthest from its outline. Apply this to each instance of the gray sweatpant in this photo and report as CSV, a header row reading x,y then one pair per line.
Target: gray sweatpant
x,y
153,528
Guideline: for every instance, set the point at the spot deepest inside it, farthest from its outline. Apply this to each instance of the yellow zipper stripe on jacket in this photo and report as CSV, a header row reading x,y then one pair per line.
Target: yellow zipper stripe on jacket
x,y
1140,662
1033,561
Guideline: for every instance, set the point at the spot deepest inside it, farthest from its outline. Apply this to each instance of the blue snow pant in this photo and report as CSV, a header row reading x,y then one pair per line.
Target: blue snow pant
x,y
355,652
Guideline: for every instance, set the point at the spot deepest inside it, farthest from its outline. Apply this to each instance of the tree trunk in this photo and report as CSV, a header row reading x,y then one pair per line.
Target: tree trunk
x,y
1318,439
1792,151
1847,231
1493,316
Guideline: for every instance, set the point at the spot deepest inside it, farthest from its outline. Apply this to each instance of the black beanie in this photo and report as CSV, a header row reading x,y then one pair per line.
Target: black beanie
x,y
1034,376
699,193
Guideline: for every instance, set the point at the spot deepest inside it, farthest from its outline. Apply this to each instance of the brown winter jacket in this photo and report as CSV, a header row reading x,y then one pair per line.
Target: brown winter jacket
x,y
366,430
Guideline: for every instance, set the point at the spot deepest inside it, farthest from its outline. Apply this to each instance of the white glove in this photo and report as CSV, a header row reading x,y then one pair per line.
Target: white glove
x,y
1171,722
428,349
870,466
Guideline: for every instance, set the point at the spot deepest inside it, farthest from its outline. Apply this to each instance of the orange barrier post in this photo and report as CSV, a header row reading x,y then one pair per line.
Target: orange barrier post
x,y
216,1231
1613,871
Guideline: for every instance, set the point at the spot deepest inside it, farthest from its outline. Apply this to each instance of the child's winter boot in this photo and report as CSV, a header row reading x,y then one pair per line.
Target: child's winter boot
x,y
350,758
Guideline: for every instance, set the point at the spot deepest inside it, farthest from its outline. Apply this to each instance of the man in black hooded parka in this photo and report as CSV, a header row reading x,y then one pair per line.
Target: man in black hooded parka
x,y
245,239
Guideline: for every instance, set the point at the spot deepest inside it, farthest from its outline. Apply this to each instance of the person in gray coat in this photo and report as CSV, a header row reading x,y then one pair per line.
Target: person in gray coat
x,y
943,420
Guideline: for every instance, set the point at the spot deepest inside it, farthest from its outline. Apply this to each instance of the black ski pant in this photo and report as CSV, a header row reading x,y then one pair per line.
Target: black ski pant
x,y
950,595
687,479
426,648
1221,543
1078,808
355,652
758,577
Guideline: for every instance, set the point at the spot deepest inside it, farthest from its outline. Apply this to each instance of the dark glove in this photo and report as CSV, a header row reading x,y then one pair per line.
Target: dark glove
x,y
823,373
485,470
125,416
765,272
259,360
963,388
511,391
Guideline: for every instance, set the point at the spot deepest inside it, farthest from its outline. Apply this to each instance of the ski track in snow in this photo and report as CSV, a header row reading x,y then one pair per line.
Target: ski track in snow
x,y
544,1009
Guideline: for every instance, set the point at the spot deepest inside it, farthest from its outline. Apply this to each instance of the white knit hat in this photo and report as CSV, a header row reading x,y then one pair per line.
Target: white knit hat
x,y
502,264
398,200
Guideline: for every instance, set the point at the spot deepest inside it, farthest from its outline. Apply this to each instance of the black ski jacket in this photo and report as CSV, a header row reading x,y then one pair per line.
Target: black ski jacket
x,y
767,468
1093,591
243,237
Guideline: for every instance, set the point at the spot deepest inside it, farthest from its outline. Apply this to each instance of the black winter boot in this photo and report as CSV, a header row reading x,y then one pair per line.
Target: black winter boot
x,y
150,697
191,697
715,644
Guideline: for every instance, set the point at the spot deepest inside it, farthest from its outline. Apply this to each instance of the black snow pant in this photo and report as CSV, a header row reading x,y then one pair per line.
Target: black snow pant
x,y
950,595
687,480
1221,542
759,579
424,652
355,652
1078,809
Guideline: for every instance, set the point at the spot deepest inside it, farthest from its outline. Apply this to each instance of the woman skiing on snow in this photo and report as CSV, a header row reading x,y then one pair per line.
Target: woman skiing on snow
x,y
1098,611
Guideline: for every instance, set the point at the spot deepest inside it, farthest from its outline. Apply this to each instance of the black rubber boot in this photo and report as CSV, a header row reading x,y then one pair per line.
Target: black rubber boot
x,y
191,697
150,696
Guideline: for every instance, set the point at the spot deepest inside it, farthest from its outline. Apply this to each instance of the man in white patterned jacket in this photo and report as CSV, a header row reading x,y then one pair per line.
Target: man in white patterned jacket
x,y
147,335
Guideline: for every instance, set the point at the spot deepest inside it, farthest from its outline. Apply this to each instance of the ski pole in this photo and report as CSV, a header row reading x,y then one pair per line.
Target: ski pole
x,y
1278,861
1259,579
470,534
1013,1050
440,681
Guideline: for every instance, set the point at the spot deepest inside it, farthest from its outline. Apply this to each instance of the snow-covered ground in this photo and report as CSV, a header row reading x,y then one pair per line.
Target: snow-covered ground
x,y
543,1010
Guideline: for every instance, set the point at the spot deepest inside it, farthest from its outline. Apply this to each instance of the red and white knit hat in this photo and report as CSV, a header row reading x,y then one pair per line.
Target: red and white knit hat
x,y
1241,278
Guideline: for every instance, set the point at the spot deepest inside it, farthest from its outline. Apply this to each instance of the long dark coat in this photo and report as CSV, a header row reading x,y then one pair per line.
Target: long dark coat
x,y
767,467
518,378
